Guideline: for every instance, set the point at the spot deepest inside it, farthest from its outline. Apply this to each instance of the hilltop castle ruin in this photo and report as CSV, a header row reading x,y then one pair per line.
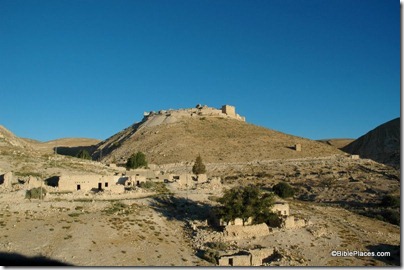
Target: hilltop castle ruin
x,y
226,111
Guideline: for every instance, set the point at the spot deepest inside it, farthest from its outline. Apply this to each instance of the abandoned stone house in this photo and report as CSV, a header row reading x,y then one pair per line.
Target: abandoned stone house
x,y
234,232
281,208
255,257
6,179
187,180
90,183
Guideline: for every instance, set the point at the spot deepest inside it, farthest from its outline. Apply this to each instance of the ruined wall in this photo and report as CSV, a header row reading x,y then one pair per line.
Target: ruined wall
x,y
254,257
239,231
281,208
86,182
171,116
7,180
147,173
259,255
292,222
235,260
236,221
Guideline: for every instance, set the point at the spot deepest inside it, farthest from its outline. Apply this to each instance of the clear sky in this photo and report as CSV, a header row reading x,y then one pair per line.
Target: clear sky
x,y
90,68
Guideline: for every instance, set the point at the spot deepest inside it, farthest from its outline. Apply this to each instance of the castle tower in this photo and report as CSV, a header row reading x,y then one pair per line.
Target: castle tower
x,y
229,110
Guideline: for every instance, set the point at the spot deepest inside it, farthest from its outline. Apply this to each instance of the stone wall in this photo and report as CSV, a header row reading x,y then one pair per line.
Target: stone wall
x,y
6,180
254,257
232,232
235,260
292,222
259,255
281,208
87,182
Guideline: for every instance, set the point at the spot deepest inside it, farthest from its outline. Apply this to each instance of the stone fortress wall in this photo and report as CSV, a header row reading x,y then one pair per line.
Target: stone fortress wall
x,y
169,116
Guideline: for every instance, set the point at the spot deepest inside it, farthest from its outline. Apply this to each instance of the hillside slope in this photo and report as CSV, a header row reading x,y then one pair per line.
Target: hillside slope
x,y
65,146
381,144
216,139
9,139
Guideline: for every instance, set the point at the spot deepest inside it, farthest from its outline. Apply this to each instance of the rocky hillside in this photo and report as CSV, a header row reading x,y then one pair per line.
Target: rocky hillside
x,y
65,146
168,139
338,143
8,139
381,144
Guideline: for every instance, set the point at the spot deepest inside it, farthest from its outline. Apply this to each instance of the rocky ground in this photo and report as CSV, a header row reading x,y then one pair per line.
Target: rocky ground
x,y
138,229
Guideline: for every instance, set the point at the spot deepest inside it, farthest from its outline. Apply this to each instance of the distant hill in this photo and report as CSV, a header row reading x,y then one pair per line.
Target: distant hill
x,y
338,143
179,136
65,146
381,144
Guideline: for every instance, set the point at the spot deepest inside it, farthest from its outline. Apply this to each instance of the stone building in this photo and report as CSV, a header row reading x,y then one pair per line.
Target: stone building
x,y
90,183
281,208
254,257
233,232
229,110
6,179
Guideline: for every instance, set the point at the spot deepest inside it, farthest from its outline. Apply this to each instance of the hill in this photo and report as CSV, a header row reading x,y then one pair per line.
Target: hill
x,y
9,139
338,143
381,144
65,146
179,136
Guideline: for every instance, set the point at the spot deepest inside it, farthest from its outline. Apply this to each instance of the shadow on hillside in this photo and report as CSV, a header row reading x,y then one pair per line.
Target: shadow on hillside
x,y
73,151
15,259
180,208
351,204
393,259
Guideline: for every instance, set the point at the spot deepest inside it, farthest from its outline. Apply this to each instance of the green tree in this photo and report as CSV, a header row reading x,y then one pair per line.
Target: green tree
x,y
245,202
136,161
83,154
283,190
199,167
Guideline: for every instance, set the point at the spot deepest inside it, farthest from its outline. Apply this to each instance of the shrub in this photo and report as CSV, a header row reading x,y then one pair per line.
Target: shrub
x,y
35,193
83,154
199,167
211,256
390,201
136,161
392,216
283,190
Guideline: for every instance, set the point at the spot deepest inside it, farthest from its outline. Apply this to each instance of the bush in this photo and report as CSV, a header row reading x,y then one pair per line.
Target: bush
x,y
35,193
390,201
199,167
211,256
283,190
83,154
136,161
392,216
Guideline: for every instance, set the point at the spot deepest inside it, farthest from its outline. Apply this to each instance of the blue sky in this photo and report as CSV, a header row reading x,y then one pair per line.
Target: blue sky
x,y
90,68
